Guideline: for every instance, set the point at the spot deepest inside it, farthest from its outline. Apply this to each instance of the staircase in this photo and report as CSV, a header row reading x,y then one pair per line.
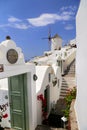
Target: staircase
x,y
68,80
71,70
64,88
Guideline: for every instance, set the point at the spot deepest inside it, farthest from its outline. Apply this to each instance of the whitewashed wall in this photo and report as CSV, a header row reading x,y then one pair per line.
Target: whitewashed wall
x,y
41,84
56,43
81,65
55,91
16,69
4,100
31,89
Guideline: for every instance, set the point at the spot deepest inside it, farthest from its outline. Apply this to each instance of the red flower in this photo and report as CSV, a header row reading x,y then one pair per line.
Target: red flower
x,y
41,97
5,116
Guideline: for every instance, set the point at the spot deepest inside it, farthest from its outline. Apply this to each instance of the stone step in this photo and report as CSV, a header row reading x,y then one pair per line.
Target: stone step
x,y
64,82
64,89
70,75
72,68
71,72
43,127
64,86
68,81
58,129
63,95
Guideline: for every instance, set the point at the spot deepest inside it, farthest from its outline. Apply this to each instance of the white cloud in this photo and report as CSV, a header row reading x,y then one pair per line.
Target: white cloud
x,y
70,13
72,8
14,22
13,19
21,26
65,14
69,27
43,20
4,25
15,25
46,19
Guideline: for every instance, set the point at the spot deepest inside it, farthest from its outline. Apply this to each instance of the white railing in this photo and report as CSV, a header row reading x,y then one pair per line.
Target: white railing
x,y
68,59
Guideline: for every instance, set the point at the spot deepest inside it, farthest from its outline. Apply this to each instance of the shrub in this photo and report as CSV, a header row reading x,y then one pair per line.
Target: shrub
x,y
69,97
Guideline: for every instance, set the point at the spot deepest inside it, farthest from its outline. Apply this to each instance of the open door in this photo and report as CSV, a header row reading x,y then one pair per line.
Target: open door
x,y
18,102
47,97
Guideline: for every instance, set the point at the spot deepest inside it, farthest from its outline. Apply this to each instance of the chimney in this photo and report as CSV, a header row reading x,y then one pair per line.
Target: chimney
x,y
8,37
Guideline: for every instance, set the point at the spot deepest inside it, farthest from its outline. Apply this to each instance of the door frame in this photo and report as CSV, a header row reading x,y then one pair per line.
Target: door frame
x,y
26,104
47,97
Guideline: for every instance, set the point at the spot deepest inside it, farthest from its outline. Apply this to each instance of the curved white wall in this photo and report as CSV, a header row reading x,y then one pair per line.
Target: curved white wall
x,y
42,82
81,65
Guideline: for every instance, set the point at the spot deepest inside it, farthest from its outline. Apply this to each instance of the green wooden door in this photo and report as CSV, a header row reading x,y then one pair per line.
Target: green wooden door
x,y
18,102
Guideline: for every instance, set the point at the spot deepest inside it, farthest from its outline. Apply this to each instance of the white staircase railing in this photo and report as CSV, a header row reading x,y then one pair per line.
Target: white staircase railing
x,y
68,59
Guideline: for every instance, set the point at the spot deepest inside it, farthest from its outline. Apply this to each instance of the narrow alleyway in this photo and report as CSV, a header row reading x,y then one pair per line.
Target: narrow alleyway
x,y
68,81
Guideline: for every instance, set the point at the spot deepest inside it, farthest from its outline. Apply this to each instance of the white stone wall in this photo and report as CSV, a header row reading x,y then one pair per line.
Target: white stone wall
x,y
42,82
56,43
31,89
4,103
4,47
81,65
20,67
55,91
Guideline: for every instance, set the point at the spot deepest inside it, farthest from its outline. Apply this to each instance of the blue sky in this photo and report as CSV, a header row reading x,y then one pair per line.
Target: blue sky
x,y
28,22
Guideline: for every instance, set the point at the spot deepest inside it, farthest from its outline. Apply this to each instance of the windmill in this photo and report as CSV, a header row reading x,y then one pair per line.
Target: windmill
x,y
49,38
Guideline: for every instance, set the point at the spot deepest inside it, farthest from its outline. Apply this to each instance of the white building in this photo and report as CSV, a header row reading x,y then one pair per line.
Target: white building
x,y
56,43
81,65
50,67
27,85
20,85
44,86
62,58
16,78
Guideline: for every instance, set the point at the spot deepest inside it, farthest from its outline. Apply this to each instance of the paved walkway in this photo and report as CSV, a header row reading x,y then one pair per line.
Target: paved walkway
x,y
44,127
58,129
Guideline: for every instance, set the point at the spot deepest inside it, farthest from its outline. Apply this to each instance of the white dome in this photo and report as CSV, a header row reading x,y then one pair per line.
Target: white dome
x,y
8,43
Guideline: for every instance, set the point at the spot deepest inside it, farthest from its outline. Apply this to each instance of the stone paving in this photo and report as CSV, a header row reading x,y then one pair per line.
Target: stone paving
x,y
43,127
73,120
58,129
